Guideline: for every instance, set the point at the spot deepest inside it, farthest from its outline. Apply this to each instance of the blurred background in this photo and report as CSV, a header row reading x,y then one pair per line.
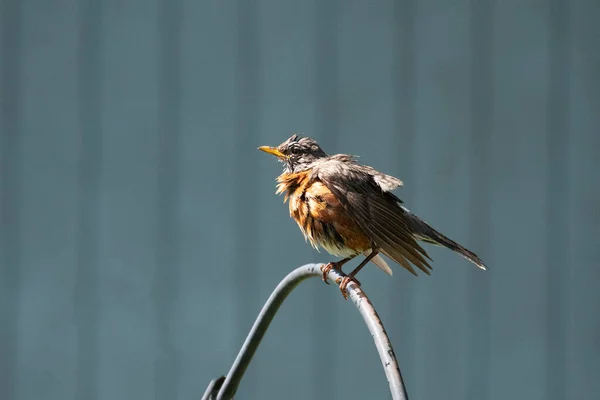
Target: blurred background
x,y
140,233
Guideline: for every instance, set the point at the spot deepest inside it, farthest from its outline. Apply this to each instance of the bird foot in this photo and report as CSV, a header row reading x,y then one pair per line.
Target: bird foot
x,y
325,269
344,284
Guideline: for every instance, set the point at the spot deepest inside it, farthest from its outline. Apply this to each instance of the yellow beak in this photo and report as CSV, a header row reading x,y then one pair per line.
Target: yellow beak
x,y
272,150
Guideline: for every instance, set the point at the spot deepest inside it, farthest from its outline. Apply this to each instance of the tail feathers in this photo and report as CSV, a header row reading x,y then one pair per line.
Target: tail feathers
x,y
380,262
423,231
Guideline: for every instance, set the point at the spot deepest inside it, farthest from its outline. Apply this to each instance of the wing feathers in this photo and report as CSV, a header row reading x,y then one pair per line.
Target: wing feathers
x,y
365,195
376,212
388,230
402,261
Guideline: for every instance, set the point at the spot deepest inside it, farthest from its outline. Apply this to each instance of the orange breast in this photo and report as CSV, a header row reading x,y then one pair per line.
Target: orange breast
x,y
321,217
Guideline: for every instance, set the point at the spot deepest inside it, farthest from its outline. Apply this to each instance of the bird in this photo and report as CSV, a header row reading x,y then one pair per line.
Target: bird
x,y
348,209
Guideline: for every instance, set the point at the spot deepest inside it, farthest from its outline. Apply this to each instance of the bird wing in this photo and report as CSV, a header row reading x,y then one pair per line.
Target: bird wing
x,y
376,211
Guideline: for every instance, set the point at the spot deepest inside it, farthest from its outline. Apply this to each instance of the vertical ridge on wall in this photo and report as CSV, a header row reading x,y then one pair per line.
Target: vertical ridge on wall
x,y
10,191
558,202
247,111
166,379
326,132
582,351
326,57
90,115
405,99
481,128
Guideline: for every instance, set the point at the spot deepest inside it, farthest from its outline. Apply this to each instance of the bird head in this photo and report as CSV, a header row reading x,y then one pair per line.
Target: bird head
x,y
297,153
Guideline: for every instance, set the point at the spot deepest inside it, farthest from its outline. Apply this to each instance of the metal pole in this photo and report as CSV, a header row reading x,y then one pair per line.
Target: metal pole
x,y
227,390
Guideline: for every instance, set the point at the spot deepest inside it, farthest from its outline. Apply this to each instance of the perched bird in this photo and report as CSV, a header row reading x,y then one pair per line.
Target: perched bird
x,y
349,209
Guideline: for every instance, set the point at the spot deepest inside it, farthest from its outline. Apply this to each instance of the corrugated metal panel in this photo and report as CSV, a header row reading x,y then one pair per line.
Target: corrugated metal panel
x,y
140,232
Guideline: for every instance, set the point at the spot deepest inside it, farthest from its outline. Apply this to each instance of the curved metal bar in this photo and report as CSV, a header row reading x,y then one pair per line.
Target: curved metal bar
x,y
285,287
213,388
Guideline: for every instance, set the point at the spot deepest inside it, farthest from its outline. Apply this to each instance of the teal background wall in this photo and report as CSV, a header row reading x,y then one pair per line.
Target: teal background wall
x,y
140,232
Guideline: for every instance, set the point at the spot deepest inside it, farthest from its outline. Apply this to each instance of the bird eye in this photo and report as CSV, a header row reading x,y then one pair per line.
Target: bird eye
x,y
294,150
